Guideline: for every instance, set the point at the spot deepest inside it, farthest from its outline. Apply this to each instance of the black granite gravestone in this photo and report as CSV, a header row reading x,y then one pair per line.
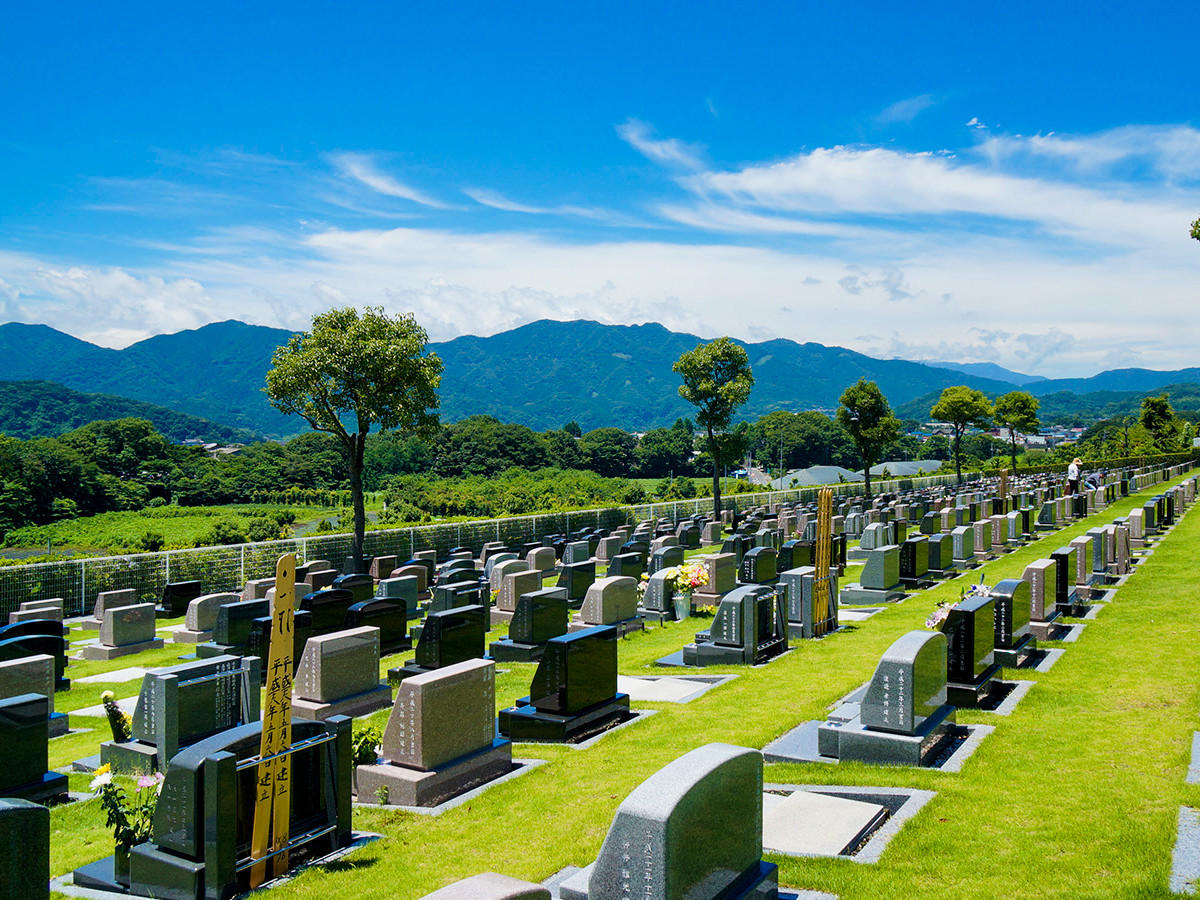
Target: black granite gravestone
x,y
574,691
390,618
24,850
758,566
176,596
1015,645
33,638
970,667
448,637
539,617
360,586
577,578
24,733
750,627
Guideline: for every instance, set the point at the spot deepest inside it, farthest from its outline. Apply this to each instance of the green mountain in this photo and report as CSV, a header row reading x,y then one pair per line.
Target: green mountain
x,y
542,374
44,409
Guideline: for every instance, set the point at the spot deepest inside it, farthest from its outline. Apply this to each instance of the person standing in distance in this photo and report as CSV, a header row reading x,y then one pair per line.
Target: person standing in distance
x,y
1073,472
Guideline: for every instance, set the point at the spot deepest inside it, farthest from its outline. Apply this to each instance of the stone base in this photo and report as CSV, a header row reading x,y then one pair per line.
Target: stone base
x,y
974,694
1076,609
524,722
51,787
943,574
703,598
657,616
91,623
96,652
919,583
211,648
966,563
1049,630
505,650
416,787
129,757
500,617
706,653
624,627
60,724
851,741
1019,656
759,882
379,697
409,669
183,636
856,595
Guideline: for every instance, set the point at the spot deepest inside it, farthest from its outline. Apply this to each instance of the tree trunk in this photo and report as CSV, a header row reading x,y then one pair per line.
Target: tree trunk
x,y
867,477
1013,437
715,453
359,444
958,453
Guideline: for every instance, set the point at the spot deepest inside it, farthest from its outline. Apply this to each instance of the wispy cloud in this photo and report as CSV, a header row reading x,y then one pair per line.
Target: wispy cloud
x,y
362,168
664,151
904,111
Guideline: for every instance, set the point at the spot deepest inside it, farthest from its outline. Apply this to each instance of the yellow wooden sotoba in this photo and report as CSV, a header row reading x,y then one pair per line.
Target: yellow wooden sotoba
x,y
272,801
821,558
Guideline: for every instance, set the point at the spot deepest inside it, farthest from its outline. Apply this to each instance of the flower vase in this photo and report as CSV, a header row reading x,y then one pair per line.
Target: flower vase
x,y
683,604
121,865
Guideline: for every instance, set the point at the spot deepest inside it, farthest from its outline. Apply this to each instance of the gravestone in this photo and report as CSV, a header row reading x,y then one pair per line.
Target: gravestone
x,y
914,561
180,705
963,538
401,590
576,578
627,565
440,738
970,631
126,630
360,587
695,829
903,718
1041,576
390,618
1066,599
201,618
382,567
541,559
801,616
503,569
577,552
339,676
1015,645
611,601
256,588
608,547
204,817
24,733
33,675
722,578
540,615
573,694
455,594
33,638
330,607
758,566
319,579
749,628
106,600
879,581
664,558
658,601
1083,574
176,596
24,850
33,610
448,637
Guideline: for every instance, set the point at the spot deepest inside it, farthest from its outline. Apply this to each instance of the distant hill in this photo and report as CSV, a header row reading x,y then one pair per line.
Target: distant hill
x,y
990,370
1144,380
542,374
1066,407
44,409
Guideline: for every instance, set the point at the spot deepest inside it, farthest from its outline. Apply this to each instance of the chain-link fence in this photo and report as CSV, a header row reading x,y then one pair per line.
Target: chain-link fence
x,y
78,581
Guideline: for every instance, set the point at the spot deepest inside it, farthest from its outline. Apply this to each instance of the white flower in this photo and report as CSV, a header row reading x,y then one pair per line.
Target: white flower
x,y
100,781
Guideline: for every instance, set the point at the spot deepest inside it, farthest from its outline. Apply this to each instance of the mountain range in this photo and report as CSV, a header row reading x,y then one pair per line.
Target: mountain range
x,y
543,374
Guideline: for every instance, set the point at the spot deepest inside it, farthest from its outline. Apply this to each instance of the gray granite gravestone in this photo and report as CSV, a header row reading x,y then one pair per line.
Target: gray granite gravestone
x,y
879,581
339,676
106,600
201,618
440,738
126,630
33,675
802,621
611,601
750,627
692,830
904,718
180,705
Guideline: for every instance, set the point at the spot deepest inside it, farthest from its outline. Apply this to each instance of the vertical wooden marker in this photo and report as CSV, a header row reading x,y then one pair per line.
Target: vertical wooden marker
x,y
822,561
273,795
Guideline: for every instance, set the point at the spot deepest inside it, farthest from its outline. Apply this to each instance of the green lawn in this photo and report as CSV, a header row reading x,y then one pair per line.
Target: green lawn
x,y
1074,795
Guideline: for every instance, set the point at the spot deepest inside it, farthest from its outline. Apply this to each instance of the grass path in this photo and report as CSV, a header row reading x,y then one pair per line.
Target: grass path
x,y
1074,795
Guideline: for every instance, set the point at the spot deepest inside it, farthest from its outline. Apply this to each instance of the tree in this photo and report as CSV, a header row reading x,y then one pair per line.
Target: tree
x,y
1018,412
666,451
864,413
716,380
1196,230
609,452
961,406
572,428
369,369
1158,418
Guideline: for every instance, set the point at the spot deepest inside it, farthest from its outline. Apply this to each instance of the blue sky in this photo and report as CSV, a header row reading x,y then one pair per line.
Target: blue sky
x,y
948,181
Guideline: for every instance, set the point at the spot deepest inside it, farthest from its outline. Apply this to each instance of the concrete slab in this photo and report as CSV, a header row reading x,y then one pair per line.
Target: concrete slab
x,y
668,688
1053,655
860,614
127,704
116,676
1185,858
522,767
1193,772
811,824
1020,689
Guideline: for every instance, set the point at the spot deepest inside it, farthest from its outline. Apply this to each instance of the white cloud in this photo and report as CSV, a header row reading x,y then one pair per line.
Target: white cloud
x,y
1171,151
362,168
667,152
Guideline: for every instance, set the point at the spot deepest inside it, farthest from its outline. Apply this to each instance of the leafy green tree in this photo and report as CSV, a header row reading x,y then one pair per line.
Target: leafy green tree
x,y
572,428
716,380
483,445
1196,230
369,370
937,447
1158,418
666,451
609,451
864,413
961,406
563,449
1018,412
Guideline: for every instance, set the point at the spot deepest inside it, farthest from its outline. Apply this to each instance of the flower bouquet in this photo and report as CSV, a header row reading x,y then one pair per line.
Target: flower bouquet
x,y
131,819
684,580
